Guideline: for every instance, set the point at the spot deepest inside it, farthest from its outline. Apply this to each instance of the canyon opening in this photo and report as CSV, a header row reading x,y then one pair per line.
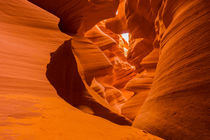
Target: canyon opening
x,y
104,69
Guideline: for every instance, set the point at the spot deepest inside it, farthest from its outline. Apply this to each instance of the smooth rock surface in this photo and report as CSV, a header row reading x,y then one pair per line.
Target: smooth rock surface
x,y
93,61
29,106
78,16
178,105
63,73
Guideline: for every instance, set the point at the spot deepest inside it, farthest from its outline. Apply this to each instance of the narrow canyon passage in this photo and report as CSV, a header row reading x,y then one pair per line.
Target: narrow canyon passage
x,y
104,69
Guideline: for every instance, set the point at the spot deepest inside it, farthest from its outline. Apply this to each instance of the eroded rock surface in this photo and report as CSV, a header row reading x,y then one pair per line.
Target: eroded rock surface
x,y
29,106
178,103
141,85
63,74
169,85
78,16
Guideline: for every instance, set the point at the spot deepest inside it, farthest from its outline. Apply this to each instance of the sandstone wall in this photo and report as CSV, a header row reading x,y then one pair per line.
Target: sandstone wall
x,y
178,104
29,106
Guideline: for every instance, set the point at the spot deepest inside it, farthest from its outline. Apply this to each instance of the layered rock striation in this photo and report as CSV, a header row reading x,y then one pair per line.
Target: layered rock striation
x,y
75,15
177,105
29,106
159,79
63,74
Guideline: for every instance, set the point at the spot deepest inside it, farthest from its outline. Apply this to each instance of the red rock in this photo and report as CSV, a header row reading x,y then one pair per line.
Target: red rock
x,y
114,97
107,41
140,19
118,23
91,71
141,85
139,48
92,60
123,72
131,108
29,106
149,63
63,74
102,40
177,105
97,87
102,26
76,17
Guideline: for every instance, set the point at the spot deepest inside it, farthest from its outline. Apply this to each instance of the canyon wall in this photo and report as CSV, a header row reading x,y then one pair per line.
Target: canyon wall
x,y
178,104
29,106
177,33
75,15
167,94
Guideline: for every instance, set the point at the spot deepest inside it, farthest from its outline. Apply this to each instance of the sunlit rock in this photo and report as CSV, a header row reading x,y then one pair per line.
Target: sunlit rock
x,y
118,23
138,49
120,62
76,17
177,105
141,85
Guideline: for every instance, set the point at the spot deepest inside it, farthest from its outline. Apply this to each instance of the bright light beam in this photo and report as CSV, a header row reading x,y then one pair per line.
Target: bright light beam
x,y
117,12
126,37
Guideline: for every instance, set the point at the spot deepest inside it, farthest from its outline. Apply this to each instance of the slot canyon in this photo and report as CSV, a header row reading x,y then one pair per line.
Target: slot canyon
x,y
104,69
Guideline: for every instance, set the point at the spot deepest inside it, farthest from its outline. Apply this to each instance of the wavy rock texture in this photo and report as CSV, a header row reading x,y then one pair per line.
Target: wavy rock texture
x,y
101,39
138,49
78,16
140,19
93,61
122,71
141,85
29,107
169,46
98,88
63,74
118,24
131,108
177,106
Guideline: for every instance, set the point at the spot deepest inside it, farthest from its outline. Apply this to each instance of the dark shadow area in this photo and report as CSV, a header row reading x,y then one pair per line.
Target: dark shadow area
x,y
63,74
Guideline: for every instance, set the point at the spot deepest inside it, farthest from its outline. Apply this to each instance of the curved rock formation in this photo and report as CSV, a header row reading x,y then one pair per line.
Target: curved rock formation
x,y
178,104
140,19
138,49
78,16
123,72
118,24
93,61
29,106
63,74
98,88
167,95
141,85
